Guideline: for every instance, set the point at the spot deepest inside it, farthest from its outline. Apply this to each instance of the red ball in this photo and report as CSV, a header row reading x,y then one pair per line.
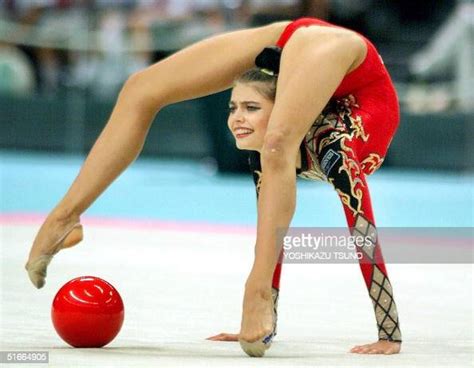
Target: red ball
x,y
87,312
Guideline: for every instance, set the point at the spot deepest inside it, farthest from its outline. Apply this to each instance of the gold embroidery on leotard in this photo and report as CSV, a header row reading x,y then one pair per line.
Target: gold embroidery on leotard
x,y
336,125
371,163
259,181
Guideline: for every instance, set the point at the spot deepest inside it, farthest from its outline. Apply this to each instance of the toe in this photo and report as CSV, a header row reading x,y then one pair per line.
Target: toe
x,y
37,271
37,280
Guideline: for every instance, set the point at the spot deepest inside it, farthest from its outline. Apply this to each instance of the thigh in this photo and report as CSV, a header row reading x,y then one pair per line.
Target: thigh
x,y
309,60
378,110
365,133
341,130
208,66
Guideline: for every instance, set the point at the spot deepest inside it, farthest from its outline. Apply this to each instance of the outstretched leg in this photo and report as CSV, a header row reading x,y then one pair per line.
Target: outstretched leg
x,y
337,139
204,68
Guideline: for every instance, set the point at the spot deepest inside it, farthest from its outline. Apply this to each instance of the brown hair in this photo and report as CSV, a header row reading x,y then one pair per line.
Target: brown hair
x,y
265,84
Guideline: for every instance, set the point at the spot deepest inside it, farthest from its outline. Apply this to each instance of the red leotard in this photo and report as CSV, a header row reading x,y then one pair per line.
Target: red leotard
x,y
372,87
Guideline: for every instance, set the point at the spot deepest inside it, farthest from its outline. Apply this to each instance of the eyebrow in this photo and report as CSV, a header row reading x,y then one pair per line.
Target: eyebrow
x,y
245,102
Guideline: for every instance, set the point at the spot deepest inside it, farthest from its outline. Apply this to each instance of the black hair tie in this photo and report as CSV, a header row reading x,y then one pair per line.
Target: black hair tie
x,y
269,60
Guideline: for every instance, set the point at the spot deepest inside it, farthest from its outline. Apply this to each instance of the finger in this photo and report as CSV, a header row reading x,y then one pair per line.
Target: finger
x,y
227,337
230,337
224,337
215,337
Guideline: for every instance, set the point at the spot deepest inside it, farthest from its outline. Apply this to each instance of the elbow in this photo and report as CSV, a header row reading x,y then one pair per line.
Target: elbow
x,y
277,150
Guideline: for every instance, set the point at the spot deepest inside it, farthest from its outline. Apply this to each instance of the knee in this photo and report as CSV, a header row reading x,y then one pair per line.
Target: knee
x,y
133,86
138,91
277,150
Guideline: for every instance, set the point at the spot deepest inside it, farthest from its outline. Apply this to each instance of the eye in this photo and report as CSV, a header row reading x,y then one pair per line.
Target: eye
x,y
231,109
253,108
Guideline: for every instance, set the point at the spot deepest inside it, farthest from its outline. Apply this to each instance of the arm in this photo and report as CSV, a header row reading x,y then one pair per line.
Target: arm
x,y
256,170
313,64
313,57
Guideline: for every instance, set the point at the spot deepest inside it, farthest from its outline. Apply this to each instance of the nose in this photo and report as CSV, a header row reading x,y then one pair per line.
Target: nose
x,y
237,116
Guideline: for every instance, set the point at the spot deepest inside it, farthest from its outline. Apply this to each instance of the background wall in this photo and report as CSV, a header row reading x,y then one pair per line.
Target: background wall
x,y
62,64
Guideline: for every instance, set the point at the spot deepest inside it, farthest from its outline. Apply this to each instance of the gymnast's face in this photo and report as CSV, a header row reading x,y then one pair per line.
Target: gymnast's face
x,y
249,112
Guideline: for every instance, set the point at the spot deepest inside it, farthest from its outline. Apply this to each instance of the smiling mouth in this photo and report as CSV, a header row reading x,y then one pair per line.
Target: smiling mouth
x,y
242,132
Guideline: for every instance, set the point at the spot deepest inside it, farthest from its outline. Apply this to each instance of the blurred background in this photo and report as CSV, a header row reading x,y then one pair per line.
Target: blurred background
x,y
62,63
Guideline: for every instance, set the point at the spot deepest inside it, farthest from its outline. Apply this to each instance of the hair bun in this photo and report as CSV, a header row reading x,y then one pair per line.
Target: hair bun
x,y
269,59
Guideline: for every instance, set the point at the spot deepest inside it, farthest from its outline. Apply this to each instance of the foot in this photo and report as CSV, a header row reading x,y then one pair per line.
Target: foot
x,y
379,347
257,329
56,233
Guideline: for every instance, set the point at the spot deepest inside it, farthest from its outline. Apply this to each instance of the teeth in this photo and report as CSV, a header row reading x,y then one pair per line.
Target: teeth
x,y
243,131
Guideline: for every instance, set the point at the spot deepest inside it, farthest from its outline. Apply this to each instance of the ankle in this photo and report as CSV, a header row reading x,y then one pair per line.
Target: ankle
x,y
64,214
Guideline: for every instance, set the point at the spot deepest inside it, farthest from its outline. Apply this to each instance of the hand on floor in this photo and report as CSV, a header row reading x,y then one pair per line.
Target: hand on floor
x,y
223,336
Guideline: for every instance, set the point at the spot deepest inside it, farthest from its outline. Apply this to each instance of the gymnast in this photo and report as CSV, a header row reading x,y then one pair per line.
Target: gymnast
x,y
320,104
